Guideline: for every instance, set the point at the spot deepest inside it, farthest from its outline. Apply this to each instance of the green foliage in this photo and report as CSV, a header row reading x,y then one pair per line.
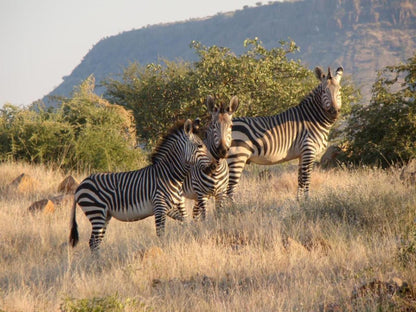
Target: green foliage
x,y
157,95
383,133
101,304
86,133
104,133
266,82
406,253
32,136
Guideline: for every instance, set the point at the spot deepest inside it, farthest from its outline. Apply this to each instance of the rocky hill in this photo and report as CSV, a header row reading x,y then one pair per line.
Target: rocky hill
x,y
362,35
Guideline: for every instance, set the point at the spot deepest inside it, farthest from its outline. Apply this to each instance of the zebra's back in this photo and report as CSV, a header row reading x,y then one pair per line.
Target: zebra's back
x,y
265,140
127,195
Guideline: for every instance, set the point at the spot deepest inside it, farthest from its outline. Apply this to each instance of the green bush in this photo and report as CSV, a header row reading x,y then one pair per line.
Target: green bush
x,y
86,133
35,137
102,304
384,132
105,304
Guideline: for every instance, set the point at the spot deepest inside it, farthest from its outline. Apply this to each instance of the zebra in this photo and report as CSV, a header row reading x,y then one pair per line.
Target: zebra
x,y
135,195
299,132
198,185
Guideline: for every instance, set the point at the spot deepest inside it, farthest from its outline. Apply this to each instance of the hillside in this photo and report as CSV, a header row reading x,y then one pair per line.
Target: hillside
x,y
363,36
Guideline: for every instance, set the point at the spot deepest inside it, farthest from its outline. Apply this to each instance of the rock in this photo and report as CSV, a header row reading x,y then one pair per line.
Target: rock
x,y
329,158
22,184
44,205
377,288
294,247
408,174
68,185
61,199
153,253
318,244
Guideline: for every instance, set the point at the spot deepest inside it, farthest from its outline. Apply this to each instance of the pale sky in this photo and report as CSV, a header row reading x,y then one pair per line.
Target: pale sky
x,y
43,40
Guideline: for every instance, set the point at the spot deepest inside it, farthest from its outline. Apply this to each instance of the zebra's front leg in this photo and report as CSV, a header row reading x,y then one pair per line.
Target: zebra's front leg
x,y
236,164
200,208
160,210
304,176
178,211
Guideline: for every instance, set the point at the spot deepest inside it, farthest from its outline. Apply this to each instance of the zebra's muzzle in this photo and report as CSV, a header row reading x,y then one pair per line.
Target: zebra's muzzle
x,y
210,168
222,151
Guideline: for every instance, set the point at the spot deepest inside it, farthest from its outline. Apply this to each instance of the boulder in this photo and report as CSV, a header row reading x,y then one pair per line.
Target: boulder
x,y
294,247
24,183
68,185
61,199
153,253
329,158
44,205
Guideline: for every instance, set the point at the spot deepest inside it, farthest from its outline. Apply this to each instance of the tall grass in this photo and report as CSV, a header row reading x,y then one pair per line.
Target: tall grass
x,y
265,252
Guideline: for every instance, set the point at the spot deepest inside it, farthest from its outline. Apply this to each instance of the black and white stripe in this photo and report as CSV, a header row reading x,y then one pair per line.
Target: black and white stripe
x,y
135,195
199,185
299,132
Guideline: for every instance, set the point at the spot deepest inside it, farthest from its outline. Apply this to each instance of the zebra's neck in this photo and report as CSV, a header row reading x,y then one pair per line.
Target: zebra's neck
x,y
172,161
175,167
210,144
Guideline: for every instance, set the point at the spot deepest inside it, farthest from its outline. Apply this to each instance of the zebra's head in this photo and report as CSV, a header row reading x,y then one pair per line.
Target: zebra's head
x,y
218,132
195,149
331,90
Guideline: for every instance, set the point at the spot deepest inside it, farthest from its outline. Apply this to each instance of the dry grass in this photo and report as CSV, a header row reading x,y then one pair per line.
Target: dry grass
x,y
266,252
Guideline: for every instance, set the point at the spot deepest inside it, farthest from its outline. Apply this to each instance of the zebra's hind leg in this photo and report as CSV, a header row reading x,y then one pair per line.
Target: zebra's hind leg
x,y
99,227
96,238
220,200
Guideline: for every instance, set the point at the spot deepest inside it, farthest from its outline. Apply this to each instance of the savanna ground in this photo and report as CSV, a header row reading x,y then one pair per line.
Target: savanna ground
x,y
350,247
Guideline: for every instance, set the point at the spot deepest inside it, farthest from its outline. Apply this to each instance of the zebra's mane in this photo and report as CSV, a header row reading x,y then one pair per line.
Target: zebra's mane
x,y
201,131
311,94
165,143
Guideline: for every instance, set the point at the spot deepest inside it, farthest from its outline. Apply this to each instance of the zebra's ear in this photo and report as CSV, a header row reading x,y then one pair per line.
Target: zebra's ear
x,y
319,73
210,104
187,127
338,74
329,76
233,105
196,125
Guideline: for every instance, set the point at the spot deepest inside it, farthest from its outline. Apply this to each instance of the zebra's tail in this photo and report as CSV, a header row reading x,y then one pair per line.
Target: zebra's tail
x,y
74,237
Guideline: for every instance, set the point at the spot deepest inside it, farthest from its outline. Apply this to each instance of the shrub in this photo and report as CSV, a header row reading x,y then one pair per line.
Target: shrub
x,y
86,133
105,304
383,133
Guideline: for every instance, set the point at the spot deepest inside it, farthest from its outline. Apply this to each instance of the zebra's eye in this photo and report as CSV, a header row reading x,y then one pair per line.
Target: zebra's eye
x,y
199,145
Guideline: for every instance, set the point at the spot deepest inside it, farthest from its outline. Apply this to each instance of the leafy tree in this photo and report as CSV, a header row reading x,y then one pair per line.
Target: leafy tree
x,y
384,132
158,95
266,82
